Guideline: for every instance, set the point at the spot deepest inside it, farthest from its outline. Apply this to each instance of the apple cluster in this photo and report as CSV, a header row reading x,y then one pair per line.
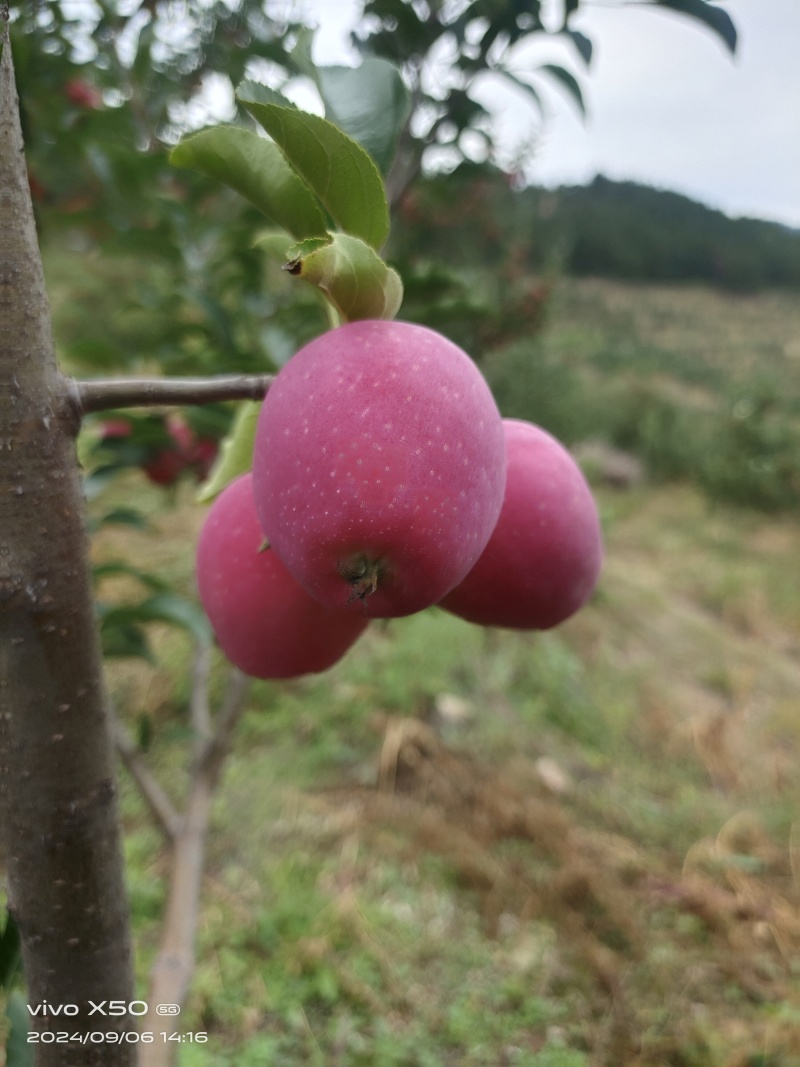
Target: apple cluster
x,y
385,481
165,447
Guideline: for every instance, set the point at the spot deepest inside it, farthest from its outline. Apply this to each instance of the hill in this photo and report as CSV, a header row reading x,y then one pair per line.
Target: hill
x,y
608,229
631,231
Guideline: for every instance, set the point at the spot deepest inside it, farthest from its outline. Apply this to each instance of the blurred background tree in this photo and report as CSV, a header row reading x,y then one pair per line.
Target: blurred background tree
x,y
169,280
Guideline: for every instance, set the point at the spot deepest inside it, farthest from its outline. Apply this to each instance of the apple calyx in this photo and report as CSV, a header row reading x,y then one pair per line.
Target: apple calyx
x,y
361,574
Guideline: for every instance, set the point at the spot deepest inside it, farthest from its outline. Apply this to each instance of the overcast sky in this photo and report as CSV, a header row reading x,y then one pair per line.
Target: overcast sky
x,y
667,103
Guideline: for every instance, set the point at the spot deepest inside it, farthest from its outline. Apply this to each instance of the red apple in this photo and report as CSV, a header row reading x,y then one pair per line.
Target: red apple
x,y
543,558
265,623
113,428
165,468
83,94
202,455
379,467
169,462
178,448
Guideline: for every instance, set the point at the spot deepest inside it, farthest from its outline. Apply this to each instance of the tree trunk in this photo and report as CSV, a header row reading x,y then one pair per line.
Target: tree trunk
x,y
60,829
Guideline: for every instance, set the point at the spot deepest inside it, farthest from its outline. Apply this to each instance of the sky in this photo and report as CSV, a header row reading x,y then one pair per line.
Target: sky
x,y
668,105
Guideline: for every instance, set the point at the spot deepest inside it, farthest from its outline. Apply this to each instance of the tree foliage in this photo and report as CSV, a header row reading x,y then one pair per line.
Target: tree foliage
x,y
104,98
447,50
101,79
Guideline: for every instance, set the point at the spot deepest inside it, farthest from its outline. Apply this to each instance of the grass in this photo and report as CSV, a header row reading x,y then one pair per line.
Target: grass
x,y
594,861
693,335
469,848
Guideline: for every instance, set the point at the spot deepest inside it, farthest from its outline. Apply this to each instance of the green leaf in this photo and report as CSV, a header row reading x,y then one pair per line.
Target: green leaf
x,y
125,639
351,274
121,517
403,33
274,243
300,55
279,342
257,169
337,169
18,1052
235,455
369,103
168,607
582,43
126,619
144,732
568,81
713,17
99,480
119,568
525,86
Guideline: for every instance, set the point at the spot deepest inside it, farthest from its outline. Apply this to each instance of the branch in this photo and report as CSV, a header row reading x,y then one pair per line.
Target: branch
x,y
199,704
213,755
407,161
172,970
105,394
158,802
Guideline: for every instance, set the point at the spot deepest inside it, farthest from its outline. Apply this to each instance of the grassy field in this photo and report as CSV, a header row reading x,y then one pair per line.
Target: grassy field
x,y
482,849
704,386
460,847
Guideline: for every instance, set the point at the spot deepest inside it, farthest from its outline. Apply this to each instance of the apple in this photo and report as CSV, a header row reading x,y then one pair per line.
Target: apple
x,y
202,455
83,94
165,468
114,428
169,462
379,467
544,556
164,447
265,623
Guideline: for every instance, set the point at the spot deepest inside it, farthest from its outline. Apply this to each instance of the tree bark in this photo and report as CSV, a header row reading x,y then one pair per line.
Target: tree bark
x,y
59,816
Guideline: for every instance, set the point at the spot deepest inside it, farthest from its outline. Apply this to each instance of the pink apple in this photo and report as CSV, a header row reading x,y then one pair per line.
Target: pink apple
x,y
379,467
264,622
544,556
